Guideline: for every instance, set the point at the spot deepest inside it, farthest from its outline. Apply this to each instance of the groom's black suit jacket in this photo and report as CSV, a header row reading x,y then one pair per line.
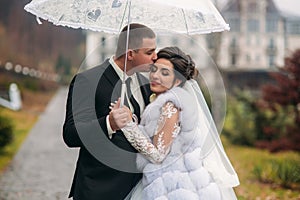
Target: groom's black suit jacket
x,y
89,98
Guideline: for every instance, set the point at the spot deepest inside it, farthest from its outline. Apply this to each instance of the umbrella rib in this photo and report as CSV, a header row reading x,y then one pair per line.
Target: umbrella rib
x,y
123,17
186,26
127,40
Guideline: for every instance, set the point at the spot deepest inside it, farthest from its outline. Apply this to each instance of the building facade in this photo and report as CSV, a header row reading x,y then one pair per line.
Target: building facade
x,y
260,35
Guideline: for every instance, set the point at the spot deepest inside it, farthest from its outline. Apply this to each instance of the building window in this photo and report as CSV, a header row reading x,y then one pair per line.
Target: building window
x,y
257,40
271,49
248,58
253,25
293,27
271,43
271,25
252,7
271,60
257,59
248,40
233,59
234,24
103,41
233,42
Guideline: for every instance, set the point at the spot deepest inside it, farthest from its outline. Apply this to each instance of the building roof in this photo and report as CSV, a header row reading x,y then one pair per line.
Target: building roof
x,y
287,8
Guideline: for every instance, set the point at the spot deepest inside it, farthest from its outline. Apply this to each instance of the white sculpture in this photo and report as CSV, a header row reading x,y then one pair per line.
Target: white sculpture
x,y
14,102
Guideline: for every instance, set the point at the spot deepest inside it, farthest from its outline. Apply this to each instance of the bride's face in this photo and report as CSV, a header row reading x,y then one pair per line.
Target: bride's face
x,y
162,76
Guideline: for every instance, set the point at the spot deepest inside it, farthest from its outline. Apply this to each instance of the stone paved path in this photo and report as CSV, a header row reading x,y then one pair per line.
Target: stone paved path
x,y
44,166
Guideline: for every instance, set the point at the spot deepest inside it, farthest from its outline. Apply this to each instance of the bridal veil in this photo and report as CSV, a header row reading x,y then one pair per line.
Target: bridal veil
x,y
213,154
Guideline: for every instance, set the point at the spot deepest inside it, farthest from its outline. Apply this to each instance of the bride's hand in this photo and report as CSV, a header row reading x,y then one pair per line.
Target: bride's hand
x,y
119,116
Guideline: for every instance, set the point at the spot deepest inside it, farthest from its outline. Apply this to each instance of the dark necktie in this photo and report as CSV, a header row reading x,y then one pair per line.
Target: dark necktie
x,y
132,100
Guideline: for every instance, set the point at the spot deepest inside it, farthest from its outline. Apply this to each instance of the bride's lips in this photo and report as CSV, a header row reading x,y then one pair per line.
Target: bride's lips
x,y
153,83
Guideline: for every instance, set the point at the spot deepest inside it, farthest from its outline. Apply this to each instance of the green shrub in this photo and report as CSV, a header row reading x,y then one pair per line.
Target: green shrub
x,y
240,126
249,123
283,172
287,172
6,131
258,173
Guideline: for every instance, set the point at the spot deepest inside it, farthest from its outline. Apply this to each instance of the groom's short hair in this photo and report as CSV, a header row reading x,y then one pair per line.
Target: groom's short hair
x,y
137,32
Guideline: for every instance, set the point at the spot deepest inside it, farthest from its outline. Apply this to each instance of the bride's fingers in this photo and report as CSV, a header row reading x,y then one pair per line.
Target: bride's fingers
x,y
112,106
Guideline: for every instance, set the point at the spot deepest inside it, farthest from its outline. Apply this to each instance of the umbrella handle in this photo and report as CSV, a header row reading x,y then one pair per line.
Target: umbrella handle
x,y
123,91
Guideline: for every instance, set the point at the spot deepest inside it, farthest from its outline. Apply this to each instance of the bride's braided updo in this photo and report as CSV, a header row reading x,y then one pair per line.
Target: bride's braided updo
x,y
184,66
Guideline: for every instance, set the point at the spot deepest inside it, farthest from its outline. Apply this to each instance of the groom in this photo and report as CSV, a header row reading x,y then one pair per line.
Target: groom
x,y
91,126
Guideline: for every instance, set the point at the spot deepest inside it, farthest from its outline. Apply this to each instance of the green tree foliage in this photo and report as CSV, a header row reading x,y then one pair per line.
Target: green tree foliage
x,y
244,121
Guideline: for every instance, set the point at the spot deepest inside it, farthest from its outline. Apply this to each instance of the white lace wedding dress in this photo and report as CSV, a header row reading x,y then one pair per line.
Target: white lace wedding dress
x,y
169,139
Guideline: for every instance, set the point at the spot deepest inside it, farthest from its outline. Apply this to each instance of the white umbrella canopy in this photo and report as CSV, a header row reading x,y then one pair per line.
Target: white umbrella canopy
x,y
187,16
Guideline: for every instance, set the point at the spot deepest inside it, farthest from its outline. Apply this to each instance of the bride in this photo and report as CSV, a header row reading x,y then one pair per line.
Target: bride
x,y
181,154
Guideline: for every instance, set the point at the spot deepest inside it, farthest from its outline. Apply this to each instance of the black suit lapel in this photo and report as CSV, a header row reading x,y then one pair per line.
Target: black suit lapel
x,y
112,77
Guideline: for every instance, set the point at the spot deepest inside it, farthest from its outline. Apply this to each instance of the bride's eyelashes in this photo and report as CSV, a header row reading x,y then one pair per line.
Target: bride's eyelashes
x,y
163,71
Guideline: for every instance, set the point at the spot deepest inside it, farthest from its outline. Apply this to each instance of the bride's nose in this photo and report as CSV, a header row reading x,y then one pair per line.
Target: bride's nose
x,y
154,75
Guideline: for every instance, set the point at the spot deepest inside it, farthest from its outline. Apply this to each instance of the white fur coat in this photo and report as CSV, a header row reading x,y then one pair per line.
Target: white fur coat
x,y
181,175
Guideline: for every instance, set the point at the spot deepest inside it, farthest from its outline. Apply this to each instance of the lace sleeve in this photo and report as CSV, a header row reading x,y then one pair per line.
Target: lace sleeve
x,y
167,129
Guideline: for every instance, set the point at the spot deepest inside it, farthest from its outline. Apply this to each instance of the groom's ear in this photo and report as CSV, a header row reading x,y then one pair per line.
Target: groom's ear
x,y
130,54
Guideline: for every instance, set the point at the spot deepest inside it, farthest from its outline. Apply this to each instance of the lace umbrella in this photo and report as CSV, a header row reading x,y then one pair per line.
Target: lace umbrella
x,y
188,16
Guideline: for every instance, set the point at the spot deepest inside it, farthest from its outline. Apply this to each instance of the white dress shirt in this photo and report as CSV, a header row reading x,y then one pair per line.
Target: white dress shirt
x,y
135,89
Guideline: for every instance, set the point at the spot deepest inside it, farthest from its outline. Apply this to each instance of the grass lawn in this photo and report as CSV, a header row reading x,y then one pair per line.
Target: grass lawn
x,y
33,104
243,160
